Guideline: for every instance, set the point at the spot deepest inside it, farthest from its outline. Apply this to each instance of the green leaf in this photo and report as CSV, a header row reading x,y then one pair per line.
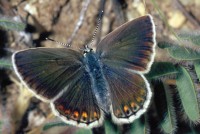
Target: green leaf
x,y
1,124
11,25
191,37
160,69
53,124
179,52
182,53
188,95
164,107
139,127
169,123
110,128
197,68
5,63
83,131
165,44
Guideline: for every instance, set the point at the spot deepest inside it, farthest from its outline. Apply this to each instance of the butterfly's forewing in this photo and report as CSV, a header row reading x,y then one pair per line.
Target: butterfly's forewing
x,y
78,105
129,92
47,71
130,46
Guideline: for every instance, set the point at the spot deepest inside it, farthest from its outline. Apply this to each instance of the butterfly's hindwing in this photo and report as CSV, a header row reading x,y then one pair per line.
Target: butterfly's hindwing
x,y
78,105
129,92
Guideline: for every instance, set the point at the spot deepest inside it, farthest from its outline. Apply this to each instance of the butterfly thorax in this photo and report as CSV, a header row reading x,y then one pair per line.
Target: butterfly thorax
x,y
99,85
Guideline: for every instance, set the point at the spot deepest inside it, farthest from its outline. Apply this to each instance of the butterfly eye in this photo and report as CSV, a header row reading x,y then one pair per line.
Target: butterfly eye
x,y
76,114
118,113
142,92
67,112
84,116
96,116
127,110
139,100
134,106
60,107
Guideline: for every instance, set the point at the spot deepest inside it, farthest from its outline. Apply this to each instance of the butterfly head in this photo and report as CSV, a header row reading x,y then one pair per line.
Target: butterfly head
x,y
87,49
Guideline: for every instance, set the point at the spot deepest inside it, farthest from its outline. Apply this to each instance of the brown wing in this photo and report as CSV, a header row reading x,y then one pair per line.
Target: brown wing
x,y
130,46
47,71
130,94
78,105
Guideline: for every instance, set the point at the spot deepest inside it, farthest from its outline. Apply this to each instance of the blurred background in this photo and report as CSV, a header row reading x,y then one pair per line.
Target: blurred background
x,y
26,23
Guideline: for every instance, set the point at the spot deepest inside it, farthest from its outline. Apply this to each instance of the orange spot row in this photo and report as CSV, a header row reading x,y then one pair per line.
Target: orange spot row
x,y
139,99
76,114
84,115
126,108
118,113
132,104
95,115
60,107
142,91
67,112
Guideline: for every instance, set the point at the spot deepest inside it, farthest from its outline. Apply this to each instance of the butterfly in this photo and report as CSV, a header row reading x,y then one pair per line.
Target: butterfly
x,y
82,87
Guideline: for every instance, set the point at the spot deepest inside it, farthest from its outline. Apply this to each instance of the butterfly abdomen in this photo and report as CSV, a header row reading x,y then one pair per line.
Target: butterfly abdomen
x,y
99,85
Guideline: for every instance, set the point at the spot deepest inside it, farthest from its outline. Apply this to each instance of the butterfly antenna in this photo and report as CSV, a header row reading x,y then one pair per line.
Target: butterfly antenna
x,y
60,43
95,32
